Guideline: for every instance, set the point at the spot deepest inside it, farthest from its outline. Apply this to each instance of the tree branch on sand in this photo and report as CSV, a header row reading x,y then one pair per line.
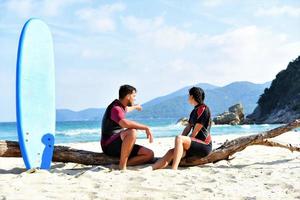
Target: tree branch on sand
x,y
231,147
224,152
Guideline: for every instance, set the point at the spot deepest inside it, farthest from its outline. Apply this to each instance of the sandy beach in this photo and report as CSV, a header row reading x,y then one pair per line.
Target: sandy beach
x,y
258,172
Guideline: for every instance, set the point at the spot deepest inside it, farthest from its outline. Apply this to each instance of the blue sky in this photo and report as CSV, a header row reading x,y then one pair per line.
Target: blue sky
x,y
158,46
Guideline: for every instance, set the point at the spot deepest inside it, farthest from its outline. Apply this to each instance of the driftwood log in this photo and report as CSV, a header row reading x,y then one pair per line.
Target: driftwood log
x,y
67,154
61,154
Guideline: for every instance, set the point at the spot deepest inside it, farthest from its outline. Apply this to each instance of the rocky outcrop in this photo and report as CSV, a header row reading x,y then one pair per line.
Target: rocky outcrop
x,y
234,116
281,102
227,118
238,110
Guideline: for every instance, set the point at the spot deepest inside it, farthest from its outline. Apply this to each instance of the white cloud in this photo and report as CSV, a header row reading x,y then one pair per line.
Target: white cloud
x,y
142,25
23,8
101,19
172,38
104,24
91,87
154,31
44,8
279,10
158,76
89,54
56,7
249,53
112,8
212,3
95,53
181,65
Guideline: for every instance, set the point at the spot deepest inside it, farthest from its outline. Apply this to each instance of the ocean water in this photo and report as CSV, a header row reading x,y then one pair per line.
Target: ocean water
x,y
89,131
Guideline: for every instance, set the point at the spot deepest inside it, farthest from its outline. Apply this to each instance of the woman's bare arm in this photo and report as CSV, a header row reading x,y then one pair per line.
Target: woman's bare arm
x,y
186,130
196,130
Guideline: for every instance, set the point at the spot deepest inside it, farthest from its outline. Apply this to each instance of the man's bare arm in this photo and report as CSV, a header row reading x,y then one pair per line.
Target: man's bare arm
x,y
132,108
125,123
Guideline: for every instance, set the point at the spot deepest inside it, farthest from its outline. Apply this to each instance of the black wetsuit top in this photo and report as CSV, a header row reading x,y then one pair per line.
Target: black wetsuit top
x,y
109,126
201,115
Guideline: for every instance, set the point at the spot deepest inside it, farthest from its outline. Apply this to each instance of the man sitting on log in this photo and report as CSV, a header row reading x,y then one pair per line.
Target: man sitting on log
x,y
119,134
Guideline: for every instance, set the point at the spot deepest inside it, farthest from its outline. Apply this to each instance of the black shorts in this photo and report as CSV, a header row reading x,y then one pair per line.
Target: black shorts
x,y
198,149
114,148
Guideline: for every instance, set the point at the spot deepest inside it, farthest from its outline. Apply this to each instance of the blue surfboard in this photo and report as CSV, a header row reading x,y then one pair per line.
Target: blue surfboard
x,y
35,95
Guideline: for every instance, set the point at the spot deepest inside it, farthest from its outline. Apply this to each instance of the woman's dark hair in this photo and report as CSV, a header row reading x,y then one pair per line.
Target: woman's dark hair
x,y
198,94
126,89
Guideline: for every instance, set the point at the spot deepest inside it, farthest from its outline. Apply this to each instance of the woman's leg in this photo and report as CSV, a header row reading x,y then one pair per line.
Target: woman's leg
x,y
182,144
164,161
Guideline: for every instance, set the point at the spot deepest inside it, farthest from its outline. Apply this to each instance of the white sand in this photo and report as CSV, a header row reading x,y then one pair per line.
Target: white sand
x,y
258,172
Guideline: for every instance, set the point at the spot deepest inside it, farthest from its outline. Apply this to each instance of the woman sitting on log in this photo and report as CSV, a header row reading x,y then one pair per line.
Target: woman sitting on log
x,y
199,142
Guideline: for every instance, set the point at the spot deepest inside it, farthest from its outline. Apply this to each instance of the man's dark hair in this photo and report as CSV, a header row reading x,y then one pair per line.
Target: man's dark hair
x,y
198,94
126,89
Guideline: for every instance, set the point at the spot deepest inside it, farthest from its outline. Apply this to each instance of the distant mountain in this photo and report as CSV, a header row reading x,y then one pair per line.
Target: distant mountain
x,y
246,93
281,102
175,105
91,114
180,92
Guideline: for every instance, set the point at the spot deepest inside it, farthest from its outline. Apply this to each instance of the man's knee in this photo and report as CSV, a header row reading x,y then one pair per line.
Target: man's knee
x,y
150,154
147,153
132,133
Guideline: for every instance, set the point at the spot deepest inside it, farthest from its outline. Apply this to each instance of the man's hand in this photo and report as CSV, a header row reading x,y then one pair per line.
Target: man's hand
x,y
138,107
149,135
132,108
